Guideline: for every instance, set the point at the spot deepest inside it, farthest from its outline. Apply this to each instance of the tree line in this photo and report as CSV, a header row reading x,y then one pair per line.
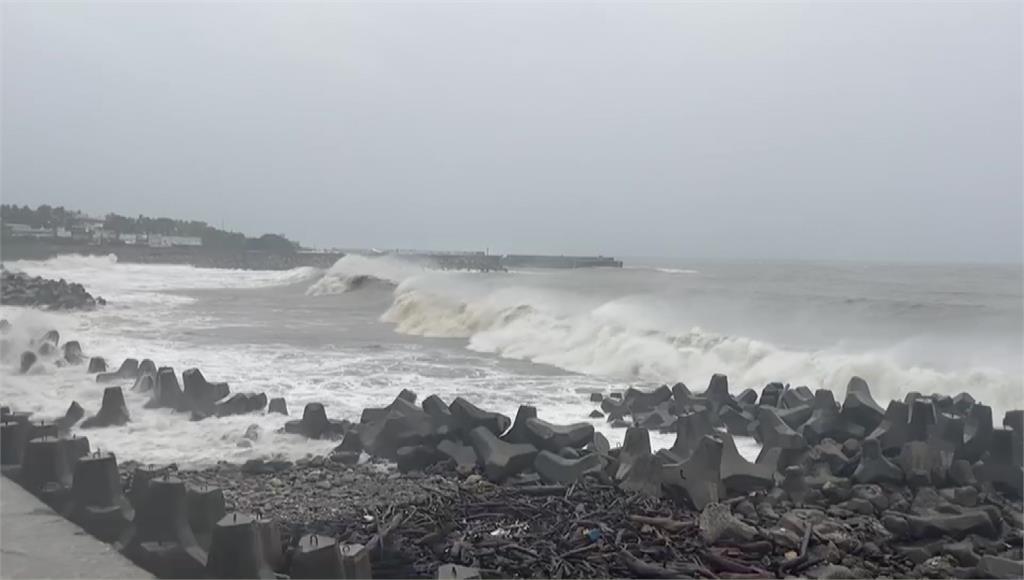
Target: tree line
x,y
48,217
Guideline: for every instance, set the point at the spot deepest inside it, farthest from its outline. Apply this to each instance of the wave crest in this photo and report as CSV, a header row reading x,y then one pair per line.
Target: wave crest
x,y
605,340
353,272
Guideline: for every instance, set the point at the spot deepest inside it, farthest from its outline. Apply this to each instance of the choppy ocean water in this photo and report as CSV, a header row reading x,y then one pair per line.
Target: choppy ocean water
x,y
356,334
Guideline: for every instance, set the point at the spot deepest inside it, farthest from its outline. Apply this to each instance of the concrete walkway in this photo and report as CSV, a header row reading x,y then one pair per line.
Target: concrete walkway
x,y
36,542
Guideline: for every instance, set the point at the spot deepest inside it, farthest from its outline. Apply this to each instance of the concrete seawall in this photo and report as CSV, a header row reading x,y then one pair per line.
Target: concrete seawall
x,y
36,542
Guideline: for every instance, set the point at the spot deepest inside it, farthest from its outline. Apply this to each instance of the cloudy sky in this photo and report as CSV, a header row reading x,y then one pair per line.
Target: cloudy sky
x,y
873,131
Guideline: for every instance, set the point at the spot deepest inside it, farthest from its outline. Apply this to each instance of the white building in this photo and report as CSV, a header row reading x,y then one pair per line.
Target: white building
x,y
159,241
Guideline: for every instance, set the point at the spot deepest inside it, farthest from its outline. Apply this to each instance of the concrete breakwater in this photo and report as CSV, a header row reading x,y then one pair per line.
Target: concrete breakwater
x,y
19,289
266,260
927,486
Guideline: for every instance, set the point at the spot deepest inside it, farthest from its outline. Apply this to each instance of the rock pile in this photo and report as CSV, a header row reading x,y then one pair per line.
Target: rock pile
x,y
20,289
928,486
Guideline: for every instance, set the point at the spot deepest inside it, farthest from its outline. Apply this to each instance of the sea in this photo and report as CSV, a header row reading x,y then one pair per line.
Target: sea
x,y
356,334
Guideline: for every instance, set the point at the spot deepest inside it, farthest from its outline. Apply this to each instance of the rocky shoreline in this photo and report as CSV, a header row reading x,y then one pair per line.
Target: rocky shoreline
x,y
19,289
929,487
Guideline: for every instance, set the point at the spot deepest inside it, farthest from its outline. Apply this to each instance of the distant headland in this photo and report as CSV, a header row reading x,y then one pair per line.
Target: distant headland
x,y
46,231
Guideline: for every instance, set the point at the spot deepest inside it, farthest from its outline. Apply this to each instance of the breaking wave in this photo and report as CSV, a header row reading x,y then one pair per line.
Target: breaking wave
x,y
354,272
622,339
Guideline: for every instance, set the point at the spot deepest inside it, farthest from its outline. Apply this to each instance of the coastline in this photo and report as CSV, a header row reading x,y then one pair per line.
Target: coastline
x,y
12,250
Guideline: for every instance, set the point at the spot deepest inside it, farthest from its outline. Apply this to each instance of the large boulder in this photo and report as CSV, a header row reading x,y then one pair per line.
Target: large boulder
x,y
894,429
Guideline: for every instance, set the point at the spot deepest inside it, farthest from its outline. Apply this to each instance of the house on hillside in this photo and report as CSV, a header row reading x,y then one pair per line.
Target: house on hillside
x,y
26,231
161,241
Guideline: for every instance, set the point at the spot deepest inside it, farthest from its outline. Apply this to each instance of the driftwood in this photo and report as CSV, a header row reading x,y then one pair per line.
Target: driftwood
x,y
800,561
667,524
641,569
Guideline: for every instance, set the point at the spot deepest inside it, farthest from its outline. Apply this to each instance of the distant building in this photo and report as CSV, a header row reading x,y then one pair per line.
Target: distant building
x,y
161,241
102,236
27,231
133,239
63,233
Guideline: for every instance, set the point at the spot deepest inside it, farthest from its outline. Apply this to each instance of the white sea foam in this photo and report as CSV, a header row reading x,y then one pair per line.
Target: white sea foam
x,y
621,339
613,338
354,271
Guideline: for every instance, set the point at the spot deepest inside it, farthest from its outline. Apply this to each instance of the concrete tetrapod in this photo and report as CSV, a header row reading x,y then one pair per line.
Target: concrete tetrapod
x,y
46,469
73,352
73,415
741,476
500,460
977,433
468,417
874,467
637,401
636,444
700,476
557,469
860,407
894,430
278,405
690,428
160,539
201,395
28,358
236,550
128,371
270,539
644,476
97,503
141,477
167,391
544,435
314,423
775,433
205,508
518,433
1001,466
463,455
113,410
771,395
797,396
316,557
737,422
97,364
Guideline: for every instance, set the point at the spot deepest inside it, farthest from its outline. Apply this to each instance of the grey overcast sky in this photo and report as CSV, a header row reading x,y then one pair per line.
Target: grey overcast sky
x,y
798,130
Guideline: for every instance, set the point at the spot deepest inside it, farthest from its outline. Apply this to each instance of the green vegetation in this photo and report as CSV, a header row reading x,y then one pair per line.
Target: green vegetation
x,y
213,238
